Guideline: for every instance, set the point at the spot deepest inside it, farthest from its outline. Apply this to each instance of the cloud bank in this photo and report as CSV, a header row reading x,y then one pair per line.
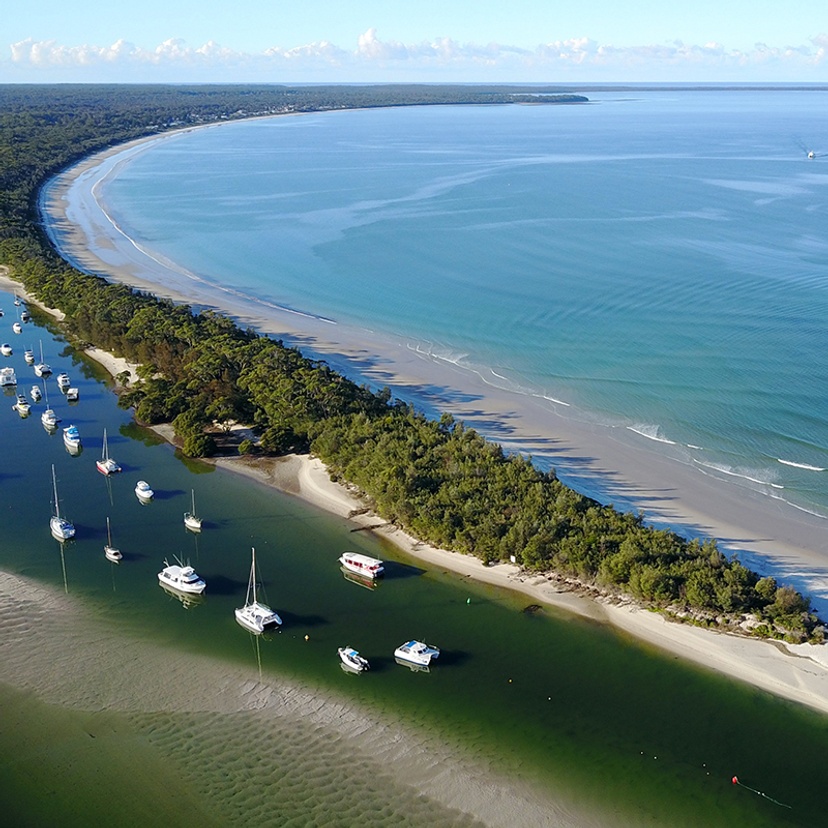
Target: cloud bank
x,y
443,59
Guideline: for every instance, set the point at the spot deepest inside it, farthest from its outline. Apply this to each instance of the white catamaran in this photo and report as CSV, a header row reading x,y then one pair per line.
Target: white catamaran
x,y
254,616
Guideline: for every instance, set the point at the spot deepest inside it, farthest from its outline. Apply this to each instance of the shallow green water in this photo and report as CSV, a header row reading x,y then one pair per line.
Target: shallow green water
x,y
542,697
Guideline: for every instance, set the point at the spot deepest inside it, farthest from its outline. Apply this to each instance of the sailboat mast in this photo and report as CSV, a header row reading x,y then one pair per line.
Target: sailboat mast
x,y
54,484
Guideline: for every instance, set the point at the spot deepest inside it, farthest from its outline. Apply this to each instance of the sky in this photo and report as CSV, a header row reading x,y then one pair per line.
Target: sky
x,y
336,41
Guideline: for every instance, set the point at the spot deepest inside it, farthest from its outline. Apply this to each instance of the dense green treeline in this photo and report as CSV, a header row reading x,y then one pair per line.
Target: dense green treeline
x,y
439,480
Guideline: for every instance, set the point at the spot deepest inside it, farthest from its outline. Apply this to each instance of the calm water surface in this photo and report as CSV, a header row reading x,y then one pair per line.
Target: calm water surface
x,y
656,260
550,699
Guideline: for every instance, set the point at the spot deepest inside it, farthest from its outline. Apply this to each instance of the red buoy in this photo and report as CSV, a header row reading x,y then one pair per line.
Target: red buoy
x,y
735,780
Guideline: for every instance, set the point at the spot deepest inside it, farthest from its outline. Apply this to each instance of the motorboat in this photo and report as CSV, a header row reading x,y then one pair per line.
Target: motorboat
x,y
63,381
112,554
22,406
17,328
417,652
6,349
143,491
106,465
34,391
49,419
29,356
191,520
181,578
353,660
61,528
25,316
362,565
8,378
255,616
72,438
72,394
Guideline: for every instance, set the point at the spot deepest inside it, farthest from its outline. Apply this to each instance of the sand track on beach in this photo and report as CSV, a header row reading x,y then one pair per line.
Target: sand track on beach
x,y
247,747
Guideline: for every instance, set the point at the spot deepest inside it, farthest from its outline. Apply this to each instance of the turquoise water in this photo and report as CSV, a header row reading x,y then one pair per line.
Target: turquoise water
x,y
656,260
539,697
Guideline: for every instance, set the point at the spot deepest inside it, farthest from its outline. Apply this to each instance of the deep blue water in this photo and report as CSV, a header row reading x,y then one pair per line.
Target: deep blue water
x,y
657,261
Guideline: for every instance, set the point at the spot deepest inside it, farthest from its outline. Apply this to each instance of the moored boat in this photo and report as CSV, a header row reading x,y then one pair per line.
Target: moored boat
x,y
112,554
6,349
61,528
254,615
72,439
191,520
362,565
181,578
353,660
17,328
42,369
63,380
106,465
22,406
143,491
417,652
72,394
29,356
34,391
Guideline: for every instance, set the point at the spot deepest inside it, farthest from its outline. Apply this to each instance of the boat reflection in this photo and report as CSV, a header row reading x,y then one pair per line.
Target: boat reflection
x,y
415,668
368,583
188,600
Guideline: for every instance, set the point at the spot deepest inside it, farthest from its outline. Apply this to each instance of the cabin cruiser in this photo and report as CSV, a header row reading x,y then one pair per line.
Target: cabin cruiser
x,y
353,660
416,652
72,394
63,381
6,349
7,378
143,491
362,564
17,328
35,393
71,438
49,419
29,356
181,578
22,406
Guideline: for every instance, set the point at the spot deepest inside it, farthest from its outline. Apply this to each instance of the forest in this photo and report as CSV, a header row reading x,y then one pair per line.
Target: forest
x,y
437,479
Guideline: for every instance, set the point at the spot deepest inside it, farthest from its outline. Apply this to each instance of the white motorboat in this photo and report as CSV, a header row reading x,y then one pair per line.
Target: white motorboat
x,y
17,328
416,652
49,419
143,491
72,394
353,660
8,378
42,369
22,406
112,554
181,578
106,465
362,565
63,381
61,528
34,391
191,520
255,616
29,356
72,439
25,316
6,349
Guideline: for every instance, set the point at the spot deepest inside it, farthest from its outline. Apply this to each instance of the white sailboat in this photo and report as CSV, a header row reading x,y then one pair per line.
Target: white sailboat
x,y
106,465
110,551
191,520
254,616
42,369
49,419
61,528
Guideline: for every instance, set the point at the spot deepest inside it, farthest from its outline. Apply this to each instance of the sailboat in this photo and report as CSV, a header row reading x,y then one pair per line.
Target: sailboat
x,y
106,465
62,529
191,520
110,551
42,369
254,616
49,419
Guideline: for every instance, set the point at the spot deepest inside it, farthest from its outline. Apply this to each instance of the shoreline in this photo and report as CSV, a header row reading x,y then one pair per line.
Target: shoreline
x,y
781,541
796,672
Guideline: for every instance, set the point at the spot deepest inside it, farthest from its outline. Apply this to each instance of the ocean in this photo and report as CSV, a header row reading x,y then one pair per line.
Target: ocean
x,y
653,261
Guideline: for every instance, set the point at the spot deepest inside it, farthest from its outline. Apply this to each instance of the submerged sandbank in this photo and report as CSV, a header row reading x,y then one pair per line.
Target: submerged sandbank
x,y
231,744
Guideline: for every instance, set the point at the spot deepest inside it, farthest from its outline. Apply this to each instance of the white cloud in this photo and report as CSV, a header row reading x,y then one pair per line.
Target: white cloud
x,y
572,59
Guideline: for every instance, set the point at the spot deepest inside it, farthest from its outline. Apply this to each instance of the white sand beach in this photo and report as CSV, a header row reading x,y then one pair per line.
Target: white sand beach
x,y
769,535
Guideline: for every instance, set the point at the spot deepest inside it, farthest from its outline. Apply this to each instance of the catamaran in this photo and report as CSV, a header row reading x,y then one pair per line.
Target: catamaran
x,y
106,465
254,616
61,528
